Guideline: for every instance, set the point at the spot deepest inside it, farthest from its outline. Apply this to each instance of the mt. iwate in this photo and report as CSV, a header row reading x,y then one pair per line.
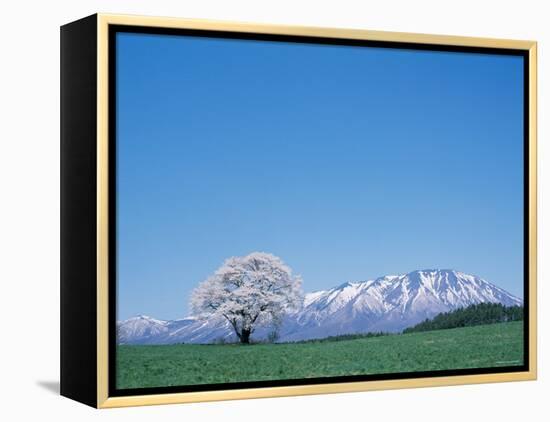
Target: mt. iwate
x,y
390,303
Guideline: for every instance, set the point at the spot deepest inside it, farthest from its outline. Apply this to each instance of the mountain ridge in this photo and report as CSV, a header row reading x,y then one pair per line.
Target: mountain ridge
x,y
388,303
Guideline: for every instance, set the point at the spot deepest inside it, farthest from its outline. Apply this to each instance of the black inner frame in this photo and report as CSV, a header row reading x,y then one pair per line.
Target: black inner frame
x,y
112,101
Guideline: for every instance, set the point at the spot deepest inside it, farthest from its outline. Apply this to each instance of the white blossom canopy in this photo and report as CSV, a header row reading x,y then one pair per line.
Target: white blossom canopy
x,y
250,291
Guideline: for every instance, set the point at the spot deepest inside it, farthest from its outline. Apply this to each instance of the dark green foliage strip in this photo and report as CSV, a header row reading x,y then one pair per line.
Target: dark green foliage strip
x,y
186,364
343,337
483,313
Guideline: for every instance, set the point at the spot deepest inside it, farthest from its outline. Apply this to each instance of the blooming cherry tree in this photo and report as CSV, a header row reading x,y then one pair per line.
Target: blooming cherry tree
x,y
250,291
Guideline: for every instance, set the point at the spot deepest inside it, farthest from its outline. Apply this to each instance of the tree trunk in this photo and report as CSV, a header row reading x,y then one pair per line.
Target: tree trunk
x,y
245,336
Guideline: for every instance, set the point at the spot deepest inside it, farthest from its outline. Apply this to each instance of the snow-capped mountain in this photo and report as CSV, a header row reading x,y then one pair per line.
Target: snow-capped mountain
x,y
389,303
146,330
140,327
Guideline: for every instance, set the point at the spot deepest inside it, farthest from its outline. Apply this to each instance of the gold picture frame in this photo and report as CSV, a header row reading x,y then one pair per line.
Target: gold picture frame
x,y
78,37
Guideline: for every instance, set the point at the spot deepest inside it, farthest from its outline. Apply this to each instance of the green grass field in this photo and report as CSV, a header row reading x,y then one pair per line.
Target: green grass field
x,y
175,365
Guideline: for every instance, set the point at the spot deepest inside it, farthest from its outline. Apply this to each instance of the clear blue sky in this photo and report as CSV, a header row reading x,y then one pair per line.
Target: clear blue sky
x,y
348,163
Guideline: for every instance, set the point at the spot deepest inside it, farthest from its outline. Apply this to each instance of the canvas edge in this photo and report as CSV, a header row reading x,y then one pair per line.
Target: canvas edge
x,y
77,358
103,22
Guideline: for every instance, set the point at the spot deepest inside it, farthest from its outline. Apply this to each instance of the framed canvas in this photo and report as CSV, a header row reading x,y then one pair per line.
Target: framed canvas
x,y
258,211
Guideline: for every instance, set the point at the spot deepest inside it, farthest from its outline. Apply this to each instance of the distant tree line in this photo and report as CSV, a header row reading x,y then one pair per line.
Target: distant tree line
x,y
483,313
343,337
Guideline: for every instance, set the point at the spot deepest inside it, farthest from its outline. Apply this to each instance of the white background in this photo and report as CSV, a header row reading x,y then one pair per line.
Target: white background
x,y
29,219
